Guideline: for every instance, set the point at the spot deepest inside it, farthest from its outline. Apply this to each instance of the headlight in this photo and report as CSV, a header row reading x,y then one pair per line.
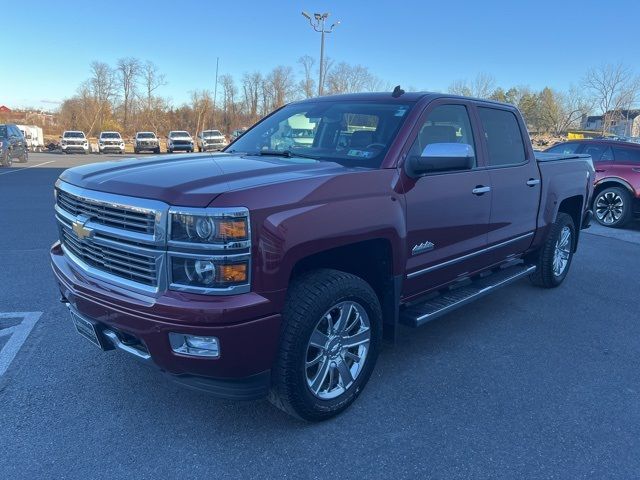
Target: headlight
x,y
209,272
209,227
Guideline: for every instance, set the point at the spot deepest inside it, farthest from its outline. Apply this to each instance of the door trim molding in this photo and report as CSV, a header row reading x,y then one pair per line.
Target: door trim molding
x,y
453,261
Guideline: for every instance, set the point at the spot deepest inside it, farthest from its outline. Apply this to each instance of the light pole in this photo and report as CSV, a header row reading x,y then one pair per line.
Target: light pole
x,y
317,23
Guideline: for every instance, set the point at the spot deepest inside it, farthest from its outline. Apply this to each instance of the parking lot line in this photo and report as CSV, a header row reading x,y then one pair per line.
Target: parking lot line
x,y
27,168
19,334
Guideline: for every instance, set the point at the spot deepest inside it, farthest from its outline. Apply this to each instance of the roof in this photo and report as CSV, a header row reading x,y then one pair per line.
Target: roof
x,y
5,109
410,97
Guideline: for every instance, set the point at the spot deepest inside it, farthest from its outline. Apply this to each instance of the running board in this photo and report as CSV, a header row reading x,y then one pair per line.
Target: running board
x,y
421,313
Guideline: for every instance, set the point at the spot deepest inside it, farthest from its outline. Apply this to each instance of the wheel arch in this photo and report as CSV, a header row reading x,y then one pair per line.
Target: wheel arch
x,y
373,261
573,206
612,182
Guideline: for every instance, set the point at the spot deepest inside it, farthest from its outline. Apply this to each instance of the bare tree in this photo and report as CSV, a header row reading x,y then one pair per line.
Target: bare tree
x,y
613,88
282,82
201,105
102,85
229,107
251,83
153,80
307,84
345,78
483,86
128,71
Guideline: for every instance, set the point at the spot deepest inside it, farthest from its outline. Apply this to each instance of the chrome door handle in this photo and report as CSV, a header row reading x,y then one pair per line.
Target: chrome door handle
x,y
480,190
532,182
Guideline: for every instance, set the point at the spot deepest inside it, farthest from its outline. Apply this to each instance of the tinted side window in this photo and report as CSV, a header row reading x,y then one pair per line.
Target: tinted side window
x,y
622,154
504,140
599,153
444,124
564,148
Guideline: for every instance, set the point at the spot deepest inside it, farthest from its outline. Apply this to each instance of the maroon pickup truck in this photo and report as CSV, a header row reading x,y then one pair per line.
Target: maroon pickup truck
x,y
276,268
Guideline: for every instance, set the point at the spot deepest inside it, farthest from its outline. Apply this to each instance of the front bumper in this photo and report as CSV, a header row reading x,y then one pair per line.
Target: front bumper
x,y
111,148
79,148
142,147
245,325
180,146
213,146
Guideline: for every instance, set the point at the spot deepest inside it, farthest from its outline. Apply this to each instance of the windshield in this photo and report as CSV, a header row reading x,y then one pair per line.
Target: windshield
x,y
211,133
146,135
110,135
179,134
73,135
350,133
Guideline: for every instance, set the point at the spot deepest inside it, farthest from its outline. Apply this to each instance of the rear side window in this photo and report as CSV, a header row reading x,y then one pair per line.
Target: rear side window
x,y
622,154
599,153
564,148
504,140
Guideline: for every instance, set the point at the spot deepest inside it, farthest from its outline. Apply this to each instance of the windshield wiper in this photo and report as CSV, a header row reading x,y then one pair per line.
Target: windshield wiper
x,y
282,153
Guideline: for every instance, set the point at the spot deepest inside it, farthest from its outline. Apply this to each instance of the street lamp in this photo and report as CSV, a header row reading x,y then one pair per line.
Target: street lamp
x,y
317,22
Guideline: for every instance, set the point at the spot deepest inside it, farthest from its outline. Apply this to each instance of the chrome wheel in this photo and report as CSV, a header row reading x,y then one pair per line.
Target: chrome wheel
x,y
609,207
337,350
562,252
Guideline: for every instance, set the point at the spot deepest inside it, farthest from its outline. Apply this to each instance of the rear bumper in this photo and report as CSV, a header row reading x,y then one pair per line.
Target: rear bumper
x,y
247,347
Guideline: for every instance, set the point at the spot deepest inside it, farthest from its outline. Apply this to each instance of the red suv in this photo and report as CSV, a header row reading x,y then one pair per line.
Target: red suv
x,y
616,199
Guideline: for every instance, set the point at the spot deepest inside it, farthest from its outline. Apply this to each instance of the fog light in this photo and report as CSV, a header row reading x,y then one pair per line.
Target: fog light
x,y
194,345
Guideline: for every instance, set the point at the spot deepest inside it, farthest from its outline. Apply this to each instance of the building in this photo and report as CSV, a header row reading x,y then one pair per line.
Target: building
x,y
623,123
4,109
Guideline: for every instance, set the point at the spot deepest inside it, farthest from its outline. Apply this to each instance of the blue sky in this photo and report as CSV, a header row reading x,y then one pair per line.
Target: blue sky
x,y
411,42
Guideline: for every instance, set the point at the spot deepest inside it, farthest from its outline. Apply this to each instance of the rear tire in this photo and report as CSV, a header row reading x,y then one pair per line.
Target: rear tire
x,y
318,374
612,207
555,255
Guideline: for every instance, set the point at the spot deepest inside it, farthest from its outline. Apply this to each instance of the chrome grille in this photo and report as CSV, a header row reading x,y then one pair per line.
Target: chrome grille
x,y
136,267
131,219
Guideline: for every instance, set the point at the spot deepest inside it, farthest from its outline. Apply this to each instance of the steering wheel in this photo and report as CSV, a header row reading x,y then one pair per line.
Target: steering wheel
x,y
378,145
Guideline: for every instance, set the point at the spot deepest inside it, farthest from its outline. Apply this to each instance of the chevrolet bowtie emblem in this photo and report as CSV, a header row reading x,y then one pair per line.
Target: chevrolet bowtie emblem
x,y
80,230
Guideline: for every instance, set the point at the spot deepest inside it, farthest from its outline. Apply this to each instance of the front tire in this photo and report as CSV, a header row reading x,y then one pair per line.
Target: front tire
x,y
555,255
612,207
329,344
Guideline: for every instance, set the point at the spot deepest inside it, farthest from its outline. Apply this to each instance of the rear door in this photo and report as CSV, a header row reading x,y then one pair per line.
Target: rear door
x,y
515,180
446,220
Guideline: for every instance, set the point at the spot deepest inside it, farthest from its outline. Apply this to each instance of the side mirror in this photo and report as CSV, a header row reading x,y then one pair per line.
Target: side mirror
x,y
442,157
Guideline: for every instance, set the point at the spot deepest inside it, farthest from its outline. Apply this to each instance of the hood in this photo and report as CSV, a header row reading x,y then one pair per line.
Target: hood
x,y
193,180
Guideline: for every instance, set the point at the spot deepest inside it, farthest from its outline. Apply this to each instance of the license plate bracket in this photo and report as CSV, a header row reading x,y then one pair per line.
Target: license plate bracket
x,y
87,329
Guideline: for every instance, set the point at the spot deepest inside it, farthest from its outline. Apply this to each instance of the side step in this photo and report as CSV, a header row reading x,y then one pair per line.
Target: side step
x,y
420,313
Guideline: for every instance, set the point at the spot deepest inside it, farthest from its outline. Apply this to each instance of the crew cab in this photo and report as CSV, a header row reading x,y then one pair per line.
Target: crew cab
x,y
276,268
616,199
146,141
110,142
74,141
211,140
179,140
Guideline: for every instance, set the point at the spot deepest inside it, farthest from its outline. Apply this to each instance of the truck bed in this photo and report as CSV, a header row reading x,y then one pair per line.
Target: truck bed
x,y
554,157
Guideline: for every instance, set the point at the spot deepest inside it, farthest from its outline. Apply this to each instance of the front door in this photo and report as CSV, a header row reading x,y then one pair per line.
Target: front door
x,y
447,212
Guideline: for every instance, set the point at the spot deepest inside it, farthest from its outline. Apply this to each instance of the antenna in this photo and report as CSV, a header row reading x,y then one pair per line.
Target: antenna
x,y
397,92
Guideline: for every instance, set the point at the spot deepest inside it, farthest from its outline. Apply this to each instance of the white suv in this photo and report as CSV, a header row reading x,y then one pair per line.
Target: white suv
x,y
211,140
110,142
179,140
146,141
74,141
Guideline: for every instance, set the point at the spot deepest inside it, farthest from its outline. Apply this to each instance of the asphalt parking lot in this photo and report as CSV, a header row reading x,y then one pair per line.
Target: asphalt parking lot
x,y
527,383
